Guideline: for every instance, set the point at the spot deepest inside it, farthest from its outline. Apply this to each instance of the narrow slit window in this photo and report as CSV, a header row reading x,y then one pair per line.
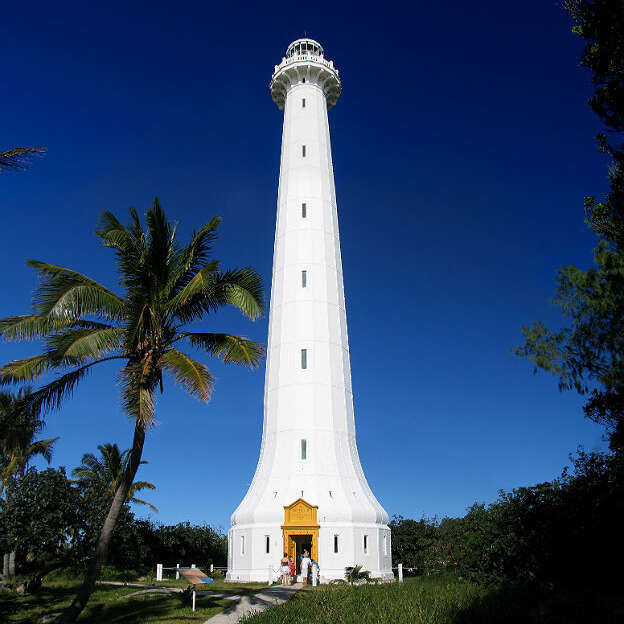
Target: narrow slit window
x,y
304,449
303,151
365,544
303,81
335,543
304,211
303,103
267,539
304,279
242,544
304,358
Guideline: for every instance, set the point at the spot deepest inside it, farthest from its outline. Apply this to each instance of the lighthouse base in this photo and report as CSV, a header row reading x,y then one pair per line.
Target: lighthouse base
x,y
254,551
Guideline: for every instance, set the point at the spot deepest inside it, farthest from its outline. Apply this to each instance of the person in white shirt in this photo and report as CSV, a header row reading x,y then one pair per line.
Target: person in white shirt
x,y
305,565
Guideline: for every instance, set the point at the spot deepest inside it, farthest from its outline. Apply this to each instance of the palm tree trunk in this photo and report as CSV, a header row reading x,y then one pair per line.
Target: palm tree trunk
x,y
102,547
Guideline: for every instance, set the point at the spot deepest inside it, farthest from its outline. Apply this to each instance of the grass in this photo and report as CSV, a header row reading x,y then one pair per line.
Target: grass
x,y
109,604
440,600
422,600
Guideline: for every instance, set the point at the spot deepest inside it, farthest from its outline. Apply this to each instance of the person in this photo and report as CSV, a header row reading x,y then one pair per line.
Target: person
x,y
305,564
291,563
315,572
285,569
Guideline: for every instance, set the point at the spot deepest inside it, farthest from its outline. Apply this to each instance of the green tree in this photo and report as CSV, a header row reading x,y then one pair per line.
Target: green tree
x,y
41,521
19,157
20,422
587,355
165,286
108,470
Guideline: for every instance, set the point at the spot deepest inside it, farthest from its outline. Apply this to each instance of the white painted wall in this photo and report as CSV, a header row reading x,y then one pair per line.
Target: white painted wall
x,y
315,404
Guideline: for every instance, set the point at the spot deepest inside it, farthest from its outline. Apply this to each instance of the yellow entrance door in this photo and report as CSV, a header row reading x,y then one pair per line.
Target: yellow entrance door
x,y
300,529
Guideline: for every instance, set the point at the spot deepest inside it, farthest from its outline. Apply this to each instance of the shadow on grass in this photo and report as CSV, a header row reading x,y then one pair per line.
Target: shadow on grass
x,y
524,605
108,604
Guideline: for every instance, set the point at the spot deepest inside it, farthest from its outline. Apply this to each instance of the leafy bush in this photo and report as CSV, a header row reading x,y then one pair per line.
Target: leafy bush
x,y
548,535
355,573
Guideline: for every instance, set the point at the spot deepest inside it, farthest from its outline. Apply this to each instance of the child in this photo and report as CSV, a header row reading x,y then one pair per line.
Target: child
x,y
315,573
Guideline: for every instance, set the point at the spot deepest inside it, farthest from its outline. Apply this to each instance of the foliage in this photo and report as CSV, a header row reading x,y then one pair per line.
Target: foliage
x,y
415,544
19,157
82,323
52,521
41,519
547,536
19,423
587,355
107,471
355,573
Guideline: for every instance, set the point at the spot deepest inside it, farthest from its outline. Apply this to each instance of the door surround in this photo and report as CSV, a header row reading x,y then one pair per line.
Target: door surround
x,y
300,518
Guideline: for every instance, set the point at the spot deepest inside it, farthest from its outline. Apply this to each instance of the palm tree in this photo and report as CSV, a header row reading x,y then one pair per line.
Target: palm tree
x,y
19,157
107,471
19,424
82,323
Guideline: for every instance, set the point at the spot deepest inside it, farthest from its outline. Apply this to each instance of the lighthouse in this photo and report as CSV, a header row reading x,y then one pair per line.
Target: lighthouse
x,y
309,491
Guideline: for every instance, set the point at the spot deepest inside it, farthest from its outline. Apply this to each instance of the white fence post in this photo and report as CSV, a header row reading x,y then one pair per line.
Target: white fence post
x,y
211,568
159,567
400,572
177,571
193,600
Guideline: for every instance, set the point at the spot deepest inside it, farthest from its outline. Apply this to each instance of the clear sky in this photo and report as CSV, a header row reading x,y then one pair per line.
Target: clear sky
x,y
463,148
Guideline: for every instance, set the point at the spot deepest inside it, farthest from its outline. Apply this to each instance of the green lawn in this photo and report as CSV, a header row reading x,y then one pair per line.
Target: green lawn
x,y
108,604
440,600
423,600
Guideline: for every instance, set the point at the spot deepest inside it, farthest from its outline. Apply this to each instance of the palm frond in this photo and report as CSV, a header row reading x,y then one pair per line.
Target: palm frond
x,y
19,157
43,448
243,289
52,395
138,382
193,376
31,326
79,345
69,294
160,244
112,232
139,501
200,286
26,369
191,258
229,348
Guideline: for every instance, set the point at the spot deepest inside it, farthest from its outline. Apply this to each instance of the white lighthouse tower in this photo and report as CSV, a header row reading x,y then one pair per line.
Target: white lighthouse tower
x,y
309,490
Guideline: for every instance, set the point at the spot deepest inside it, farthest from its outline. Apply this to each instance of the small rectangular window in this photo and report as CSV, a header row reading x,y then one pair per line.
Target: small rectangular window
x,y
304,279
303,211
304,358
268,543
335,543
365,544
303,103
303,151
304,449
242,544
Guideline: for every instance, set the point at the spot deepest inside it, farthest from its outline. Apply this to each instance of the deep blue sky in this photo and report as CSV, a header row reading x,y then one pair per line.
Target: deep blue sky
x,y
463,147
